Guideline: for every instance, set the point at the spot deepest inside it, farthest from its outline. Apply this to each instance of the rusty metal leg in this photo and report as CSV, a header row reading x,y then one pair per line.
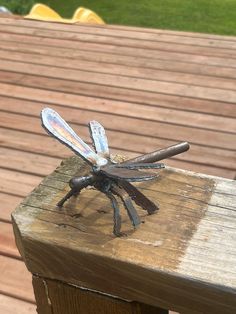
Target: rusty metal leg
x,y
67,196
132,213
117,217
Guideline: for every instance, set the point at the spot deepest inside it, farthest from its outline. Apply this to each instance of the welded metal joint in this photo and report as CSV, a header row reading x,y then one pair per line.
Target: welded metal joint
x,y
111,178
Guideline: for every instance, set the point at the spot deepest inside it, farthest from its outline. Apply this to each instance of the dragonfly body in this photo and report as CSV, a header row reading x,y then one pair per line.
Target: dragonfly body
x,y
112,179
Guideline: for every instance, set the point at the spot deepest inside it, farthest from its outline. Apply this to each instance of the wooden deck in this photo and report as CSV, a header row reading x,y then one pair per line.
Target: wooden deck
x,y
149,88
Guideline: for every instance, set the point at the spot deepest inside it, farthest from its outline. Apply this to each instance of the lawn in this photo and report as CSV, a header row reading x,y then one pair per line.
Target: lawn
x,y
208,16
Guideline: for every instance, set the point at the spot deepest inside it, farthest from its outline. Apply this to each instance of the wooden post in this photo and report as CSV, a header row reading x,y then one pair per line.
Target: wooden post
x,y
57,297
182,258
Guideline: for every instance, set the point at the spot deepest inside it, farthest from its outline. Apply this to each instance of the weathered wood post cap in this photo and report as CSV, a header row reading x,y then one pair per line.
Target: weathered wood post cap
x,y
181,258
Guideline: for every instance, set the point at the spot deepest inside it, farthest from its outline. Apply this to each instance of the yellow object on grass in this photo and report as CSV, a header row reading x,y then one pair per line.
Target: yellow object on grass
x,y
44,13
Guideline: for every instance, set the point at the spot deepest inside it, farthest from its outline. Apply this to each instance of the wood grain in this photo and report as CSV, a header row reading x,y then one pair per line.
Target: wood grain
x,y
7,241
60,298
17,183
115,93
124,123
47,146
13,159
46,94
126,31
123,70
15,279
136,142
150,88
8,203
202,48
111,59
152,265
11,305
199,56
180,89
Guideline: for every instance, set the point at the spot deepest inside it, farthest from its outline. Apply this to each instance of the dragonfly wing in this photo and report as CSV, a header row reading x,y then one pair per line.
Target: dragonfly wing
x,y
57,127
127,174
138,197
140,165
98,135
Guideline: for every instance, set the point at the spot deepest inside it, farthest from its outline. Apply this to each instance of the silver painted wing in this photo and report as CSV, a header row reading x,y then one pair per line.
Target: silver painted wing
x,y
57,127
98,135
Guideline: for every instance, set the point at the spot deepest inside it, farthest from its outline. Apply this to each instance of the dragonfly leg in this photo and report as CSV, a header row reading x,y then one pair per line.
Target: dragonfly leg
x,y
76,184
138,197
116,217
126,200
67,196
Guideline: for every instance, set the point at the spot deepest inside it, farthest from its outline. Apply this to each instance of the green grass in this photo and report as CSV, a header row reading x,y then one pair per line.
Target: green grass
x,y
208,16
18,7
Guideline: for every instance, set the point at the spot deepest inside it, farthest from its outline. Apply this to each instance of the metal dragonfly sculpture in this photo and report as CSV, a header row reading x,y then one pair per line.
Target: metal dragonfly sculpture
x,y
107,176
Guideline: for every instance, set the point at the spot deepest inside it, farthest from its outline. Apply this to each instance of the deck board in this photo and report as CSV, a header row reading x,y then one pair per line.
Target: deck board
x,y
166,42
104,57
118,58
198,58
7,242
75,94
124,70
15,279
150,85
150,88
8,202
11,305
125,120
